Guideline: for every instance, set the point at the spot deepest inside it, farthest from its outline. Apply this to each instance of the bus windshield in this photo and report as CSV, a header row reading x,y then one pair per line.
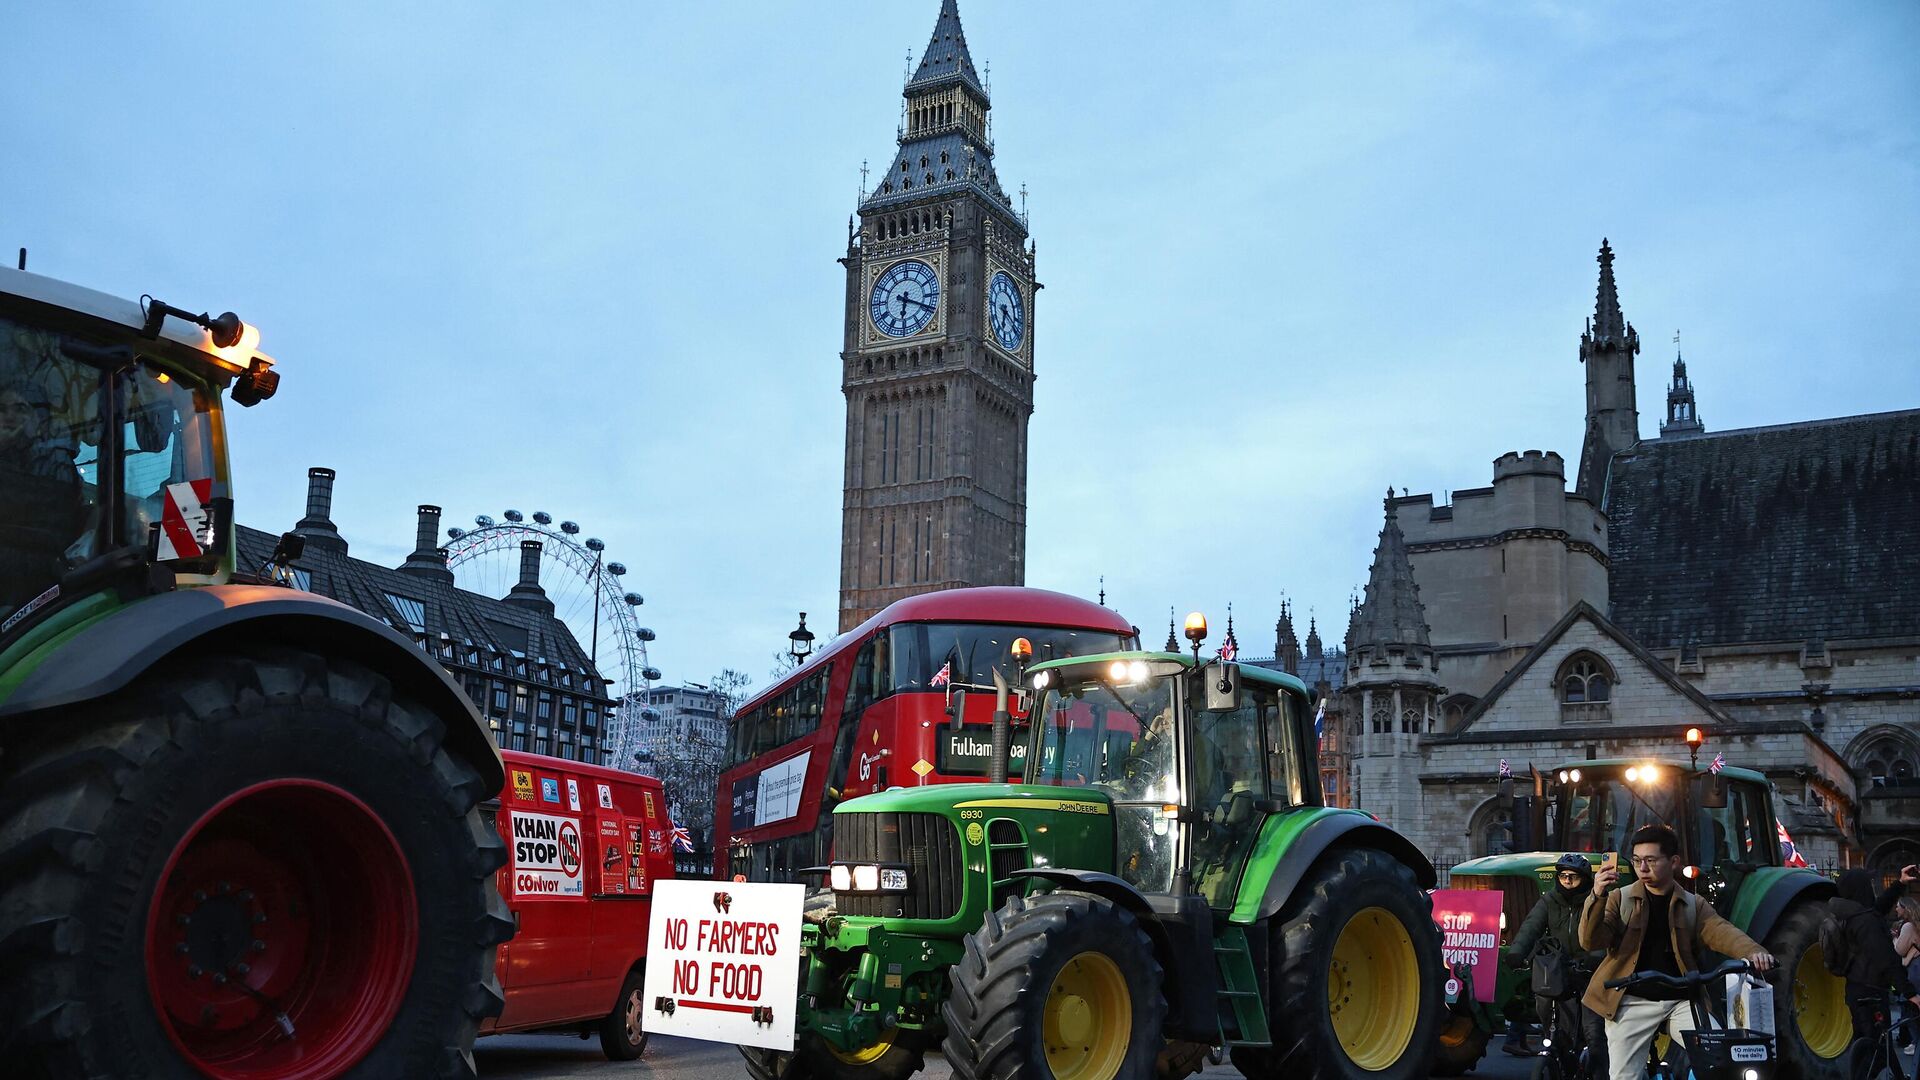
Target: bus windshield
x,y
968,652
1118,737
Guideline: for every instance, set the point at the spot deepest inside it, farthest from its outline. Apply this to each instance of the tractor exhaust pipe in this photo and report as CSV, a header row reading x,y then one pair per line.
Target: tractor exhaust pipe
x,y
1002,731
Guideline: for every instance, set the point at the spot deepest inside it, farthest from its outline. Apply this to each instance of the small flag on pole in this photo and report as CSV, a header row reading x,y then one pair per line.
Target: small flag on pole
x,y
1506,770
942,677
1790,854
1320,720
682,839
1719,762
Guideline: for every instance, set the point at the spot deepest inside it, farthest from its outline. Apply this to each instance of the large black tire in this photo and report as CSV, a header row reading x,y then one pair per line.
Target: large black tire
x,y
1009,998
903,1055
623,1032
1374,897
1460,1046
101,800
1812,1025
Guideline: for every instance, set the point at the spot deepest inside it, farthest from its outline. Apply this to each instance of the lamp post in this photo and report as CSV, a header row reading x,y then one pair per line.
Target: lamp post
x,y
800,642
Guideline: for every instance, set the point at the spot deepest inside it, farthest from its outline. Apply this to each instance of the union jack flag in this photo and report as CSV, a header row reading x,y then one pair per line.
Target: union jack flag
x,y
1791,854
1229,648
1320,721
1506,770
1719,762
942,677
682,839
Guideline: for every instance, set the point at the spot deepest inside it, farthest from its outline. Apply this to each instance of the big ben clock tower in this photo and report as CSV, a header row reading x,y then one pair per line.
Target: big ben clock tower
x,y
937,364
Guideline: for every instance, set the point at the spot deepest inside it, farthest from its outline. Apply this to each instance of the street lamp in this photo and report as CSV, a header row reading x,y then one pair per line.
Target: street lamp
x,y
800,642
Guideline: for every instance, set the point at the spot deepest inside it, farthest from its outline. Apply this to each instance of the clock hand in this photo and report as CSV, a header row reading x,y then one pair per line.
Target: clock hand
x,y
917,303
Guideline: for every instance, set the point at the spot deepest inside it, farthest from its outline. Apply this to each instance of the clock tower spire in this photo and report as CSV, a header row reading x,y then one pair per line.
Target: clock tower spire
x,y
937,355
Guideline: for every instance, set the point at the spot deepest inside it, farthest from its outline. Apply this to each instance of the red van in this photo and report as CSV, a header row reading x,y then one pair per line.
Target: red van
x,y
584,846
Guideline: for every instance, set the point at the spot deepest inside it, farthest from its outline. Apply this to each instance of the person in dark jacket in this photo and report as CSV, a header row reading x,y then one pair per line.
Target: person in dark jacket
x,y
1554,923
1873,968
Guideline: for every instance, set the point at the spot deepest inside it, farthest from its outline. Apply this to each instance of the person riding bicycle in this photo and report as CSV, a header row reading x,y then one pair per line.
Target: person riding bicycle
x,y
1554,923
1872,967
1651,925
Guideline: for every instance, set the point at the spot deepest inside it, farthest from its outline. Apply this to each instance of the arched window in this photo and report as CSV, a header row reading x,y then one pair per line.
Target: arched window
x,y
1490,830
1889,756
1584,679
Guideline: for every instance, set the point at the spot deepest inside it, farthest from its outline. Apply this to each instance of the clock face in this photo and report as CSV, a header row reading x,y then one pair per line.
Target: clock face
x,y
1005,311
905,299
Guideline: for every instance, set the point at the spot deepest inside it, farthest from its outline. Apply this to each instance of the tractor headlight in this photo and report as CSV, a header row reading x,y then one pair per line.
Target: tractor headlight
x,y
840,877
866,878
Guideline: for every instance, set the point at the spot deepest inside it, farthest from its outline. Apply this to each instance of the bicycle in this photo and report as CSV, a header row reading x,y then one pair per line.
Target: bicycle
x,y
1879,1057
1710,1053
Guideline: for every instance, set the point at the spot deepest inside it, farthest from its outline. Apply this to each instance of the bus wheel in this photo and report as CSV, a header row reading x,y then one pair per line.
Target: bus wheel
x,y
623,1032
1061,985
1810,1007
1358,936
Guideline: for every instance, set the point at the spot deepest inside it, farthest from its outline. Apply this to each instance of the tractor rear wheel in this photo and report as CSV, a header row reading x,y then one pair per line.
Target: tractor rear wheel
x,y
1462,1043
1064,986
1358,936
1810,1004
897,1054
263,864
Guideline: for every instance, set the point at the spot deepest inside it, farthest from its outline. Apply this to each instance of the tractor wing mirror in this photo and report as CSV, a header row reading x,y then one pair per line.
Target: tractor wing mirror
x,y
1713,792
1223,686
957,709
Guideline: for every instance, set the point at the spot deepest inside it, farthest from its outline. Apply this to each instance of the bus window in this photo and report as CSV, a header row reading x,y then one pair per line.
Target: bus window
x,y
867,685
970,651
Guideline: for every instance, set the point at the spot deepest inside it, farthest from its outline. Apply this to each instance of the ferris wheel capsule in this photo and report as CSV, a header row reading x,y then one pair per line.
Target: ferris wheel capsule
x,y
617,569
651,674
543,517
645,633
456,533
634,599
596,545
513,516
571,528
650,714
483,521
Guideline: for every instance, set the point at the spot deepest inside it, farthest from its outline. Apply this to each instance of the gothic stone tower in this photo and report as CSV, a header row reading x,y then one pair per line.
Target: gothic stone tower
x,y
937,364
1607,349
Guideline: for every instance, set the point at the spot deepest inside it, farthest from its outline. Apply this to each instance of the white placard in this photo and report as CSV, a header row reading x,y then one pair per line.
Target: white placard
x,y
723,961
546,856
780,788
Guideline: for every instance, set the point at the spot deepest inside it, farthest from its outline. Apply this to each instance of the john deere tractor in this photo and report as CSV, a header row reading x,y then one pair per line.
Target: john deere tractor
x,y
1162,886
239,835
1731,855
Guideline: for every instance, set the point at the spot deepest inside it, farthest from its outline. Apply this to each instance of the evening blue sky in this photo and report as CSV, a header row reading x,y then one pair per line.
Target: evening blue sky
x,y
580,258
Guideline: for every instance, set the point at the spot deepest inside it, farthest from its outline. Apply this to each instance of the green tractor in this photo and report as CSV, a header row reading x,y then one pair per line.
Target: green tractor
x,y
1164,887
240,834
1732,856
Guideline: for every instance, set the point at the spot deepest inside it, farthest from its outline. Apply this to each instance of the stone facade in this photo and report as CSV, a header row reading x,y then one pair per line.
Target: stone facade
x,y
937,357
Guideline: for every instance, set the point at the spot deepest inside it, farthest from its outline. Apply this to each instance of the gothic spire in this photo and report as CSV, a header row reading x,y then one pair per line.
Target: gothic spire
x,y
1391,613
1608,323
1315,648
1286,647
1173,639
946,59
1683,415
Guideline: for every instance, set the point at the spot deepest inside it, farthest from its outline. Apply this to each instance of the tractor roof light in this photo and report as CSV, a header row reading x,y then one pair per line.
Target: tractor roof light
x,y
1118,672
1573,775
1695,737
1633,774
1196,629
1041,680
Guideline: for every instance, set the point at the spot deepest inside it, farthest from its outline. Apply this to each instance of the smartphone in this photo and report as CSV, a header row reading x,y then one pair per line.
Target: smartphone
x,y
1611,862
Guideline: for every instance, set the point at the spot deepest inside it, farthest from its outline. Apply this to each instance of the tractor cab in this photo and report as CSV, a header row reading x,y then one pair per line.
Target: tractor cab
x,y
1724,818
1194,756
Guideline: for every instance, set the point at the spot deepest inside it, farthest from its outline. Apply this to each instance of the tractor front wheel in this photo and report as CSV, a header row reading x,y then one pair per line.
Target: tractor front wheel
x,y
257,866
1061,985
1809,1002
896,1055
1357,975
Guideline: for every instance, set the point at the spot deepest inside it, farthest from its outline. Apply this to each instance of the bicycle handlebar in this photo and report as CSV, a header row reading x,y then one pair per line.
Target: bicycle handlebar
x,y
1679,982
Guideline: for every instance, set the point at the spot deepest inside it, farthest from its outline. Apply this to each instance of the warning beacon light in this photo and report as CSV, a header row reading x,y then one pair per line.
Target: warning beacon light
x,y
1196,631
1694,738
1022,650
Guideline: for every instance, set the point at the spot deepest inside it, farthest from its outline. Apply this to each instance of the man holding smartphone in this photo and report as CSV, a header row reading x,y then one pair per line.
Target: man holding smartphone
x,y
1651,925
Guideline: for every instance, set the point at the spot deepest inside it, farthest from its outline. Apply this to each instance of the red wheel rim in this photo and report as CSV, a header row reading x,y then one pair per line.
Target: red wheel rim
x,y
281,939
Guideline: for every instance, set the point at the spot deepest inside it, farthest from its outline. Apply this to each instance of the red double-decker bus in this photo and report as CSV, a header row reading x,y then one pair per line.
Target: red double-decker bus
x,y
870,712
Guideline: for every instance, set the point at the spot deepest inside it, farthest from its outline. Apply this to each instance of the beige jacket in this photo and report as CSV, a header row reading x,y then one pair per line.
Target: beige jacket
x,y
1618,923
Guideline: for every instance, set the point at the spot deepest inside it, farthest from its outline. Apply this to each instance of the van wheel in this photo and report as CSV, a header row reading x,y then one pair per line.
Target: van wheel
x,y
623,1033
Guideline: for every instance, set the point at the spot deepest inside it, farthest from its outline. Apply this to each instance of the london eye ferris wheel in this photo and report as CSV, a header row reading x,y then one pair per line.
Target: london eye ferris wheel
x,y
589,594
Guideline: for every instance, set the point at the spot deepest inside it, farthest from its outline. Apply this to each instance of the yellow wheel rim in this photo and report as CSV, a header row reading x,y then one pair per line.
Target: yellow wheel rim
x,y
1088,1019
1820,1005
1373,989
868,1054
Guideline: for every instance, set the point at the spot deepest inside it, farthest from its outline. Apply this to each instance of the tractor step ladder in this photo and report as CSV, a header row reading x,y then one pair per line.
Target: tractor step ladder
x,y
1240,994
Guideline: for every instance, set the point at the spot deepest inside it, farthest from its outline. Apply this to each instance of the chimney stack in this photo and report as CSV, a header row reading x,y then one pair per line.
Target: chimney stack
x,y
428,557
528,591
317,527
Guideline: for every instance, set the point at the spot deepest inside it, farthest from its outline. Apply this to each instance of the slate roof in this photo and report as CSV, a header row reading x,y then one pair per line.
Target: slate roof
x,y
1391,612
1774,534
946,59
466,618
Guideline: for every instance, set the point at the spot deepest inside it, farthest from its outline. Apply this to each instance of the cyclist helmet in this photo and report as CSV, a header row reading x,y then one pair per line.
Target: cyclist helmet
x,y
1573,860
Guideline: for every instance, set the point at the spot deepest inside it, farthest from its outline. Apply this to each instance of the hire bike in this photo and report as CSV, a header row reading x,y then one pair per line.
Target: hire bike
x,y
1710,1053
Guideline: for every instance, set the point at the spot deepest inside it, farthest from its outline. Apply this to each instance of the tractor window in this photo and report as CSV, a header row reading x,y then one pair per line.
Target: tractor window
x,y
49,462
167,440
1226,782
1738,834
1287,778
1119,737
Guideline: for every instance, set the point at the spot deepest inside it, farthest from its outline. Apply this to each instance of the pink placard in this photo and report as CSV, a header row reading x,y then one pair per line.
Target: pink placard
x,y
1469,922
